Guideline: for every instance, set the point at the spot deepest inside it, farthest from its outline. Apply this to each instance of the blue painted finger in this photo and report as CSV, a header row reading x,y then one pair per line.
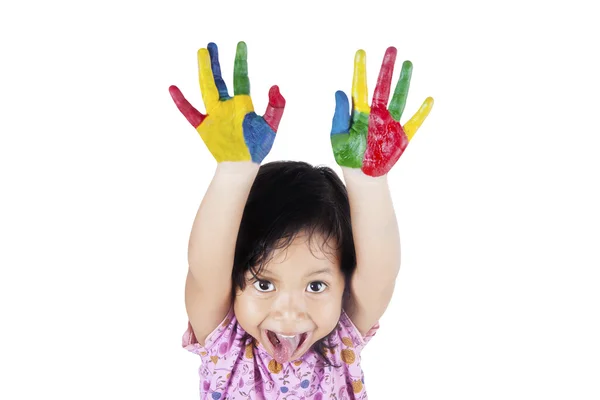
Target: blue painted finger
x,y
216,70
341,118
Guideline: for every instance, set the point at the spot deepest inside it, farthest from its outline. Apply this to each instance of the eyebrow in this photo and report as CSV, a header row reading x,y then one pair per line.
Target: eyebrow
x,y
268,276
321,271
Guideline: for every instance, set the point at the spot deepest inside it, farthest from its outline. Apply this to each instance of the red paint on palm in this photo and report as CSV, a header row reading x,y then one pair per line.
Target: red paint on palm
x,y
193,116
275,108
386,142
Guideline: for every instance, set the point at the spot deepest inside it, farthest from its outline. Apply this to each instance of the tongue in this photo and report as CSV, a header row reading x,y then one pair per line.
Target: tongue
x,y
285,348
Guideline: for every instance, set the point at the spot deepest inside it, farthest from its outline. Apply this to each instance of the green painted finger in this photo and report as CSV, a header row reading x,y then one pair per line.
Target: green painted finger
x,y
241,83
398,102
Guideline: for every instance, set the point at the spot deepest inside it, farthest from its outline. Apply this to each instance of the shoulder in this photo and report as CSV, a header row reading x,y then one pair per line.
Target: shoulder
x,y
349,334
223,339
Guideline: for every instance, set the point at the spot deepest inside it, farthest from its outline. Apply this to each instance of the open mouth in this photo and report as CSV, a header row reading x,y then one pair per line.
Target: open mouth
x,y
285,346
275,338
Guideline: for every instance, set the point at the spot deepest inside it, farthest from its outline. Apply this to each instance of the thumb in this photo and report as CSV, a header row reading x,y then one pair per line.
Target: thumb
x,y
193,116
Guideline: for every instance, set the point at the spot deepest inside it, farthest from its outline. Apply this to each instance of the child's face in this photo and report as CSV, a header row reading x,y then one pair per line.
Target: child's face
x,y
297,301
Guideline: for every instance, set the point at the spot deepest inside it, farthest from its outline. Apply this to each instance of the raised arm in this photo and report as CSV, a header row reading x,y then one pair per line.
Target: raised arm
x,y
366,145
239,140
212,245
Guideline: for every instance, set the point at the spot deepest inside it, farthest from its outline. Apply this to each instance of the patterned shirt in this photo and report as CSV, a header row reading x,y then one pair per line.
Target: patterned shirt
x,y
235,366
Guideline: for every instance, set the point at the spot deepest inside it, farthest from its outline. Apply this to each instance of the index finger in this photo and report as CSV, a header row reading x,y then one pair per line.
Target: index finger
x,y
210,94
382,90
359,83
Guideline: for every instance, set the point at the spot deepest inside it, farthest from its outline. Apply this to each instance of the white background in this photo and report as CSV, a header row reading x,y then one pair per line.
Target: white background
x,y
496,196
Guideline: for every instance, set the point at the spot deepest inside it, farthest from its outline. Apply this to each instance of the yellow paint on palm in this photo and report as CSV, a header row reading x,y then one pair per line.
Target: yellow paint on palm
x,y
412,125
222,129
359,83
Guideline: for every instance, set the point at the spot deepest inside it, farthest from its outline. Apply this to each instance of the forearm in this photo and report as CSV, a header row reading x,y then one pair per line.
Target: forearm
x,y
374,228
214,233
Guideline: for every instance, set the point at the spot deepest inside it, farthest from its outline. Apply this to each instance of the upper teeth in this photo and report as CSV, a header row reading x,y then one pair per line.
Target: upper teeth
x,y
288,337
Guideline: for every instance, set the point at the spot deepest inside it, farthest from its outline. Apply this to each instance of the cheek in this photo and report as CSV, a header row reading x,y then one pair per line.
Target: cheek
x,y
249,311
326,311
251,305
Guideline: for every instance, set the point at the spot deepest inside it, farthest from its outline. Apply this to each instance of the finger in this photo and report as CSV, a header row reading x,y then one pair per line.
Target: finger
x,y
413,125
360,101
241,83
341,118
194,116
382,90
213,51
399,98
210,95
275,108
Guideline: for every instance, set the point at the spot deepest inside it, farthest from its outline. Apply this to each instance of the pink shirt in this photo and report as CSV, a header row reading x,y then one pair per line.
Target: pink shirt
x,y
235,366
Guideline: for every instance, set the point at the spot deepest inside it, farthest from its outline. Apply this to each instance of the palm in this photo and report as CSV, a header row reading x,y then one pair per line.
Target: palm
x,y
372,138
220,129
349,147
231,130
225,114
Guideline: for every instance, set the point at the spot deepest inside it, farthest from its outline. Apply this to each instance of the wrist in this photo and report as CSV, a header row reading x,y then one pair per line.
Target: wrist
x,y
237,170
357,176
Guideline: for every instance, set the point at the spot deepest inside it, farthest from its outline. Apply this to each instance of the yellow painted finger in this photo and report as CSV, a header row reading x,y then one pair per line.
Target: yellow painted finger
x,y
359,83
208,87
413,125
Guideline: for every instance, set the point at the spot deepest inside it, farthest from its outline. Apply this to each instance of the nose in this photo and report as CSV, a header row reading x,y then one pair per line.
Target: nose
x,y
290,306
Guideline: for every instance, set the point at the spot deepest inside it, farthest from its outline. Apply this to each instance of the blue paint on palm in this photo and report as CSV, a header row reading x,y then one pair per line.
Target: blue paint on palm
x,y
341,118
213,51
258,135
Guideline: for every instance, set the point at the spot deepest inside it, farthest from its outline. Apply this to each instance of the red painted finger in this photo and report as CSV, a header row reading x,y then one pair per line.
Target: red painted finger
x,y
275,108
381,94
194,116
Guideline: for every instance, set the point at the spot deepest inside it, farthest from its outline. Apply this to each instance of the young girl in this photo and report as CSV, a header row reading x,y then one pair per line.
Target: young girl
x,y
283,291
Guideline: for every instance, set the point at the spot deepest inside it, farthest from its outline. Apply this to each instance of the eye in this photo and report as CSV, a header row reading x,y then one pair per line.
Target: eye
x,y
316,287
264,286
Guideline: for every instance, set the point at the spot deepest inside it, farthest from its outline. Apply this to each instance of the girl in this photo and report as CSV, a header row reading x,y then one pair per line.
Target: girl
x,y
283,292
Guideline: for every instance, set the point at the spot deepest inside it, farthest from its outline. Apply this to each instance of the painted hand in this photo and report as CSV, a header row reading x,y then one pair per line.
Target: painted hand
x,y
372,138
231,129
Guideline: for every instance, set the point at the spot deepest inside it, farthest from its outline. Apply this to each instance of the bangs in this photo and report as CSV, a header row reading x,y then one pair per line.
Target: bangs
x,y
326,238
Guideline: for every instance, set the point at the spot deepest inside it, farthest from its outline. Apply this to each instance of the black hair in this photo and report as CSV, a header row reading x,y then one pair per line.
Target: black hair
x,y
288,198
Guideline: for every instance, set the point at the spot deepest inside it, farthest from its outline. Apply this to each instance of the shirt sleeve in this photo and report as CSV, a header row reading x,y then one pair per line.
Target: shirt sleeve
x,y
349,334
226,332
345,349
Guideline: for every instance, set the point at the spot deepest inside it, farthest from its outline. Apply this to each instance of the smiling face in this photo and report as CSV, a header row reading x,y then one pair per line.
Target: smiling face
x,y
296,300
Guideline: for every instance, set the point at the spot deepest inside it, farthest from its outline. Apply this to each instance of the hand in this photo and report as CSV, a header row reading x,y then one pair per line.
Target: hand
x,y
372,138
231,129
